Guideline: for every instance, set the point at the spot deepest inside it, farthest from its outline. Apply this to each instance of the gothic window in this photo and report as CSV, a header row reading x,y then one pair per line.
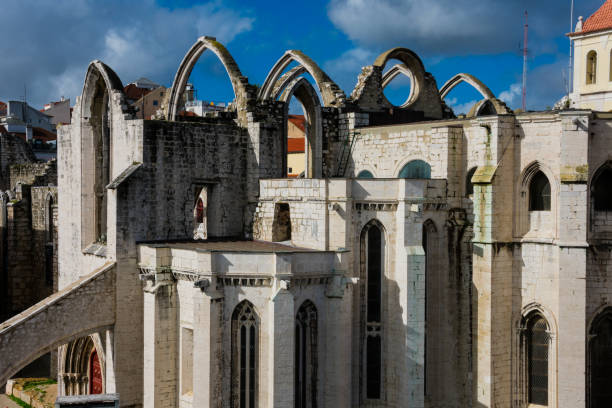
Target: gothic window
x,y
602,190
539,193
591,69
306,356
600,361
536,344
244,356
469,186
416,169
373,252
365,174
281,228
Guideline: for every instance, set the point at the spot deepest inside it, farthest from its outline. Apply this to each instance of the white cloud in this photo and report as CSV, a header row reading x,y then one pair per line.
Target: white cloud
x,y
51,52
451,27
511,95
345,69
460,108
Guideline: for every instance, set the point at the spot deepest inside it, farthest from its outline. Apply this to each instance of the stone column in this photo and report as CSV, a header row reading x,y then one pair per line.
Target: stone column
x,y
207,348
160,343
335,374
283,345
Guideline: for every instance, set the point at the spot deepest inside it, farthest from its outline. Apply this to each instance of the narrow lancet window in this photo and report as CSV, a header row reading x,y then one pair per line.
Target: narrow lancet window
x,y
244,356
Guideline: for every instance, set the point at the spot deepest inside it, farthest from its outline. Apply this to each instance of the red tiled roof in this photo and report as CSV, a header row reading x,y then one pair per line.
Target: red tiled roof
x,y
133,92
295,145
600,20
299,121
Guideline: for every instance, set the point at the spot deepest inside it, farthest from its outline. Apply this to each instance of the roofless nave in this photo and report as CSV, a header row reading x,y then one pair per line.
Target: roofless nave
x,y
424,260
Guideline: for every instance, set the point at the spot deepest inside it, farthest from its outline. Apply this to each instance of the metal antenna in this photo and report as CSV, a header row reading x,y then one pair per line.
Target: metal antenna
x,y
570,83
525,51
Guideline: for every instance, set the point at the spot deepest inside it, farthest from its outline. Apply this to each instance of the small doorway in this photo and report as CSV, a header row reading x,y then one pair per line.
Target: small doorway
x,y
95,374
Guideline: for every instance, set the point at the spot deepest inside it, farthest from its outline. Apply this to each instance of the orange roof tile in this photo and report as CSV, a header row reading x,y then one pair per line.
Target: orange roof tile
x,y
600,20
295,145
299,121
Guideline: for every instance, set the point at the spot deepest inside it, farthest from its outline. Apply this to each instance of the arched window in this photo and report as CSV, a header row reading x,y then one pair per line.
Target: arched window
x,y
539,193
416,169
365,174
600,361
591,68
373,263
95,374
535,345
602,190
306,356
244,356
199,211
469,186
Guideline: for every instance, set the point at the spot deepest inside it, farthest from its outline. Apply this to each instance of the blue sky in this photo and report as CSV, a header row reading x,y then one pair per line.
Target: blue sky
x,y
47,45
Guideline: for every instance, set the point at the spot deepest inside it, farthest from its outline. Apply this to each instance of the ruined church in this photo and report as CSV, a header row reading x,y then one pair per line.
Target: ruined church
x,y
424,259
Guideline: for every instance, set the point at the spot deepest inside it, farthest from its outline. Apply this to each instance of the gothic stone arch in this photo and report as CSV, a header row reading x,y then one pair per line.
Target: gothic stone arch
x,y
330,92
239,82
307,96
487,94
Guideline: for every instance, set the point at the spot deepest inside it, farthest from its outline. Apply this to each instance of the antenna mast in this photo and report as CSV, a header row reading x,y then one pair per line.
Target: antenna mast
x,y
570,75
525,50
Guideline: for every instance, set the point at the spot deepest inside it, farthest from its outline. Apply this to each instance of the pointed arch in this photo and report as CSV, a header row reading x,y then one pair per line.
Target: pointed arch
x,y
245,355
306,355
599,360
591,68
75,366
330,92
307,96
239,82
535,380
498,106
97,71
102,98
287,78
373,262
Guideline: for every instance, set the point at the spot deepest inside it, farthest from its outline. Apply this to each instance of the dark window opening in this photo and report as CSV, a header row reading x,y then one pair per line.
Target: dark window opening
x,y
306,356
374,251
373,364
281,229
244,356
602,191
537,361
539,193
416,169
600,354
591,74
